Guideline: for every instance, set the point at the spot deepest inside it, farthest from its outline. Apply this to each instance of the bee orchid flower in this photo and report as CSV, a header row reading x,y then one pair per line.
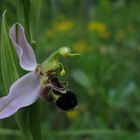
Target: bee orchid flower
x,y
41,81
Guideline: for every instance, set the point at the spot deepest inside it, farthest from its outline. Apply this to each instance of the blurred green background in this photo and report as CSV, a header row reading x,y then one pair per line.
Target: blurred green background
x,y
105,78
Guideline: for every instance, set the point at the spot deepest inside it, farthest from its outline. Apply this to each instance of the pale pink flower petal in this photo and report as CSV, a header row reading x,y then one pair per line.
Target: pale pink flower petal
x,y
24,50
24,92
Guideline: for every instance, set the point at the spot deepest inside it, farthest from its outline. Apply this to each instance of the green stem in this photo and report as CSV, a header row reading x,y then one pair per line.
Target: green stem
x,y
34,120
89,132
22,121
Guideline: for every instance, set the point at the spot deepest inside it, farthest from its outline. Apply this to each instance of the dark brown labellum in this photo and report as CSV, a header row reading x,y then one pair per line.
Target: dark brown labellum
x,y
46,94
67,101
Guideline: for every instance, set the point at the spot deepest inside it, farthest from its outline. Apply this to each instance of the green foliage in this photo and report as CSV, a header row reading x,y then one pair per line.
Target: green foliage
x,y
28,14
9,72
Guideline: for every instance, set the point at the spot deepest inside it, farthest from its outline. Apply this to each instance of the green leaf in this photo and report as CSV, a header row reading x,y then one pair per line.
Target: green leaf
x,y
23,16
35,6
28,14
81,78
8,67
10,73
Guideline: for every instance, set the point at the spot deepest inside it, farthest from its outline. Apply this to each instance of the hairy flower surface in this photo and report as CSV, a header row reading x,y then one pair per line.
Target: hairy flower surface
x,y
41,81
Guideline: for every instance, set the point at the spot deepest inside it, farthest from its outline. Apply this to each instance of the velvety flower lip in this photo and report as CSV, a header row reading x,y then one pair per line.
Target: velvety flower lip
x,y
67,101
54,91
53,85
46,93
25,91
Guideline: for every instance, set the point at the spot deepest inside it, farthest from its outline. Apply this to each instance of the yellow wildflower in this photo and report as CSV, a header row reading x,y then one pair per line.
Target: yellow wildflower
x,y
96,26
62,26
73,114
65,26
81,46
100,28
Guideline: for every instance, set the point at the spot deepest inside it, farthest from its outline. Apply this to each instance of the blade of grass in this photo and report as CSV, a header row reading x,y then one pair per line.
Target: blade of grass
x,y
35,6
10,132
8,67
9,72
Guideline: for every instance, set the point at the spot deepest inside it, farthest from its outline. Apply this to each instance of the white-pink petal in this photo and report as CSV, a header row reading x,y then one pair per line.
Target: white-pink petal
x,y
24,92
24,50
